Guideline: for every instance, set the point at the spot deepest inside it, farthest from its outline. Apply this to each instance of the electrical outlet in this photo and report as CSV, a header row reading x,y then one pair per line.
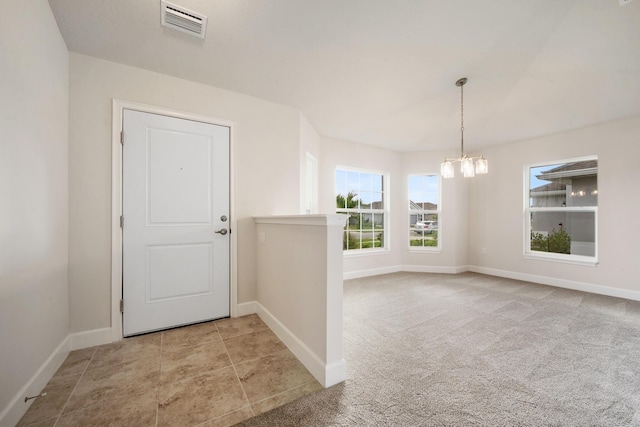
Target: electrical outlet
x,y
262,238
483,251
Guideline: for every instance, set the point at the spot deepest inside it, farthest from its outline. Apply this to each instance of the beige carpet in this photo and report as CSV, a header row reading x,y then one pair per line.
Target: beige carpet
x,y
470,349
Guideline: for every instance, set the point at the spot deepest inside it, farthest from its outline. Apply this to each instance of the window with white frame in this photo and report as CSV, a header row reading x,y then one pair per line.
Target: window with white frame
x,y
424,212
561,210
361,195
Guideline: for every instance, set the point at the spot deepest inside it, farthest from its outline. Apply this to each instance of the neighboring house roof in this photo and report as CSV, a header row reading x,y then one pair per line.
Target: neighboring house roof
x,y
587,164
424,206
553,186
570,170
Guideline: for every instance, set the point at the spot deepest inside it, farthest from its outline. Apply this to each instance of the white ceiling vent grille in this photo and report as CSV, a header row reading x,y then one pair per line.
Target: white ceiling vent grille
x,y
181,19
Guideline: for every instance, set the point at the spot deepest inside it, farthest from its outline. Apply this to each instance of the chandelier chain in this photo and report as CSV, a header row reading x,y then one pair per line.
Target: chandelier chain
x,y
462,120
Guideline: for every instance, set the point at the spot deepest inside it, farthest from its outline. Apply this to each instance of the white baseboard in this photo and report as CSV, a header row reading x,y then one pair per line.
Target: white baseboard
x,y
246,308
370,272
17,407
543,280
84,339
326,374
410,268
434,269
560,283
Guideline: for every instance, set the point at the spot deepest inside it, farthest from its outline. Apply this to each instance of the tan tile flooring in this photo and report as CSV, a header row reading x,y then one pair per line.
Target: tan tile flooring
x,y
212,374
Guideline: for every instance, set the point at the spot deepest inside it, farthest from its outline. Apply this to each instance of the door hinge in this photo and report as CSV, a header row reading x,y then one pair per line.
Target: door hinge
x,y
122,137
121,221
121,306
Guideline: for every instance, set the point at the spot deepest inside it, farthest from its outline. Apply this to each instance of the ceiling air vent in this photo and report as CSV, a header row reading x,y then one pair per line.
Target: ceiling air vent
x,y
181,19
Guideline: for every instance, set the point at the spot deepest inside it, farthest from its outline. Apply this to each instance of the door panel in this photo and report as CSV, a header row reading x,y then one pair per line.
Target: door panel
x,y
175,192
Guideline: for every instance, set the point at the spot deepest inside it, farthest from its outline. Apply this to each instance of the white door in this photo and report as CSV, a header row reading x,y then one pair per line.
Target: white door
x,y
175,204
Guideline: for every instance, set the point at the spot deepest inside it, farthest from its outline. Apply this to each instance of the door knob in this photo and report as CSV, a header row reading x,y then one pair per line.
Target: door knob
x,y
222,231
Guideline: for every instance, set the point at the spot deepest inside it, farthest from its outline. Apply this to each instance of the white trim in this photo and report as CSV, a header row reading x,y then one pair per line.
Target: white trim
x,y
116,202
560,283
434,269
84,339
347,275
561,161
370,272
534,278
326,374
563,259
11,414
320,220
355,253
246,308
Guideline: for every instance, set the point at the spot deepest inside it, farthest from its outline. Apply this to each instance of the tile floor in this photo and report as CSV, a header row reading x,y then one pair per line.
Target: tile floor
x,y
212,374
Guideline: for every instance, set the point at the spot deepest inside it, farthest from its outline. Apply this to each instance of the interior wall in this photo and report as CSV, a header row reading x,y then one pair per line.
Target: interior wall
x,y
267,172
33,189
335,152
496,220
309,143
400,165
453,222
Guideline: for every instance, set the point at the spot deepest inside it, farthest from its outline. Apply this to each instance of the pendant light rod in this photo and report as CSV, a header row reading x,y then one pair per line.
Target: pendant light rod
x,y
460,83
468,168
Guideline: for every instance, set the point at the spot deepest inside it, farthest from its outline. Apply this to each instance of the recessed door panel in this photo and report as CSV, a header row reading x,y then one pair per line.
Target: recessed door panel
x,y
179,178
178,271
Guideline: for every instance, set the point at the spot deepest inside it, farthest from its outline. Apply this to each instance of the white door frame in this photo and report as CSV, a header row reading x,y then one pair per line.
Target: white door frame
x,y
116,203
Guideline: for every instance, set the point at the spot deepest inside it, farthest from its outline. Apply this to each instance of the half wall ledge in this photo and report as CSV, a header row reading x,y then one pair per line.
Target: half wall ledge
x,y
299,288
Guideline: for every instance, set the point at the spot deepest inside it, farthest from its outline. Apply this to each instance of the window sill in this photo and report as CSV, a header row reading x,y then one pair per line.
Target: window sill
x,y
364,252
567,259
427,250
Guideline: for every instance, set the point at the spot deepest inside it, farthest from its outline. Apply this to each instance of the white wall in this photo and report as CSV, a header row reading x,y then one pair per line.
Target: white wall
x,y
335,152
496,205
299,264
399,165
453,222
33,193
267,169
309,143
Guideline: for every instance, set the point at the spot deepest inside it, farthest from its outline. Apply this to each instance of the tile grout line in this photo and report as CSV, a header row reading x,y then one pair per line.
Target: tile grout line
x,y
286,391
159,378
76,386
244,393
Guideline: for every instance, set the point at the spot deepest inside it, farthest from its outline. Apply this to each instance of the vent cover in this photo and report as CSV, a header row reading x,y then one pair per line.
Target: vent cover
x,y
181,19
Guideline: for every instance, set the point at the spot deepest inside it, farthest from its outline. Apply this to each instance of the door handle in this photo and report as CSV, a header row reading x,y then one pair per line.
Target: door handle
x,y
222,231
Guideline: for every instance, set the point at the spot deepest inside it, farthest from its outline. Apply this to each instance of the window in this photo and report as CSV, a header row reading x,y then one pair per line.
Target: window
x,y
361,195
561,207
424,212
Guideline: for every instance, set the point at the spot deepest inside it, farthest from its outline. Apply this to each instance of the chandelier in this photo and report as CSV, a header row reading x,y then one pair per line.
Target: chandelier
x,y
467,166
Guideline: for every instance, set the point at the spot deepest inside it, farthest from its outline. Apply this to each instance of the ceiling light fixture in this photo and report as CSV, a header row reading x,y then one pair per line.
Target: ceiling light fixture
x,y
466,162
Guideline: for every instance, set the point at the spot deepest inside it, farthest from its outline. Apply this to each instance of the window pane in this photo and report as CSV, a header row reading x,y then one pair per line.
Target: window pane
x,y
353,182
376,183
415,183
367,221
423,201
354,222
365,199
563,232
341,182
365,182
377,201
564,184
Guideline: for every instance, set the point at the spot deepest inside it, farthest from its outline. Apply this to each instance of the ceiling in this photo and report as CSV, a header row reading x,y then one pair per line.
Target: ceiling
x,y
383,72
